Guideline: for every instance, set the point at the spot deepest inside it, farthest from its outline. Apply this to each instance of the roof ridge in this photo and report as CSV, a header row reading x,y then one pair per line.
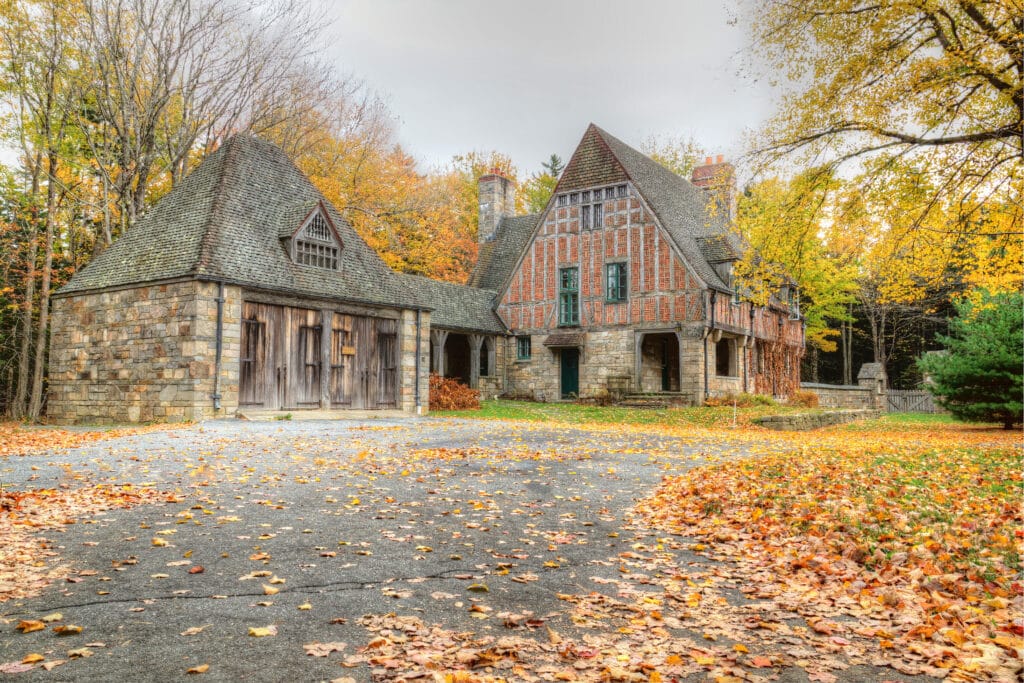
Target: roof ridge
x,y
228,151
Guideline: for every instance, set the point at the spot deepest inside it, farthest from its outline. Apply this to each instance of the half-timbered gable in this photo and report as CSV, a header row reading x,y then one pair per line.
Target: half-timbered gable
x,y
625,283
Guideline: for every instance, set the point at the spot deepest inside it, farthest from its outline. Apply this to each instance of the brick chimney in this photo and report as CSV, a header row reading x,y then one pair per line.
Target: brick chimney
x,y
497,200
717,178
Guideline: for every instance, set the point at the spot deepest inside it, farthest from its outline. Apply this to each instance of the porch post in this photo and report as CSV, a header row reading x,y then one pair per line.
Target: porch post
x,y
439,337
476,341
638,342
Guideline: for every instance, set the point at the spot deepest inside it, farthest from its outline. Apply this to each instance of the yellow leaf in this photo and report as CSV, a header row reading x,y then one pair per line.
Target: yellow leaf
x,y
478,588
49,618
67,630
30,625
32,658
305,606
158,542
201,669
262,631
740,647
270,590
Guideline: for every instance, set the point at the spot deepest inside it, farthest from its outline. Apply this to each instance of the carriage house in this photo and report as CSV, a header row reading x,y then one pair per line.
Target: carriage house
x,y
244,290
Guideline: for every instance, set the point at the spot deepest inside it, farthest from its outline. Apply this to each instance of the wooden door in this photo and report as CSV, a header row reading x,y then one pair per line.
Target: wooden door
x,y
302,370
570,373
260,357
342,382
386,361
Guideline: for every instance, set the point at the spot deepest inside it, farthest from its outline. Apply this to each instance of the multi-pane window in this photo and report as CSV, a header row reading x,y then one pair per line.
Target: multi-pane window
x,y
621,191
615,278
592,215
523,348
315,244
563,200
319,255
568,297
609,193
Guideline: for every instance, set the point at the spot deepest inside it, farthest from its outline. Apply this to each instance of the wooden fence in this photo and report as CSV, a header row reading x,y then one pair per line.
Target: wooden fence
x,y
910,401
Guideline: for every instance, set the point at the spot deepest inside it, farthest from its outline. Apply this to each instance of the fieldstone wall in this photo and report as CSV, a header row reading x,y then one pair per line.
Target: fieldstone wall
x,y
841,395
142,354
805,421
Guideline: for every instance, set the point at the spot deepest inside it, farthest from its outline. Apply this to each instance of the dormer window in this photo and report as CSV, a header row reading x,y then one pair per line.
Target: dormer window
x,y
315,244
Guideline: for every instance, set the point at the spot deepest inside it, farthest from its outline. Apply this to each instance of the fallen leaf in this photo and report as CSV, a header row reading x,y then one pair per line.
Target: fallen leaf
x,y
194,630
30,625
32,658
323,649
67,630
201,669
262,631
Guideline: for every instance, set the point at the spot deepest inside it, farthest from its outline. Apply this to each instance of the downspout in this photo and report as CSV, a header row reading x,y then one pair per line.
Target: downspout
x,y
416,391
219,347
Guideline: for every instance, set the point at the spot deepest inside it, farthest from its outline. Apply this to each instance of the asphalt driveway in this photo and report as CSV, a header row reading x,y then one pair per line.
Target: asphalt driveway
x,y
386,548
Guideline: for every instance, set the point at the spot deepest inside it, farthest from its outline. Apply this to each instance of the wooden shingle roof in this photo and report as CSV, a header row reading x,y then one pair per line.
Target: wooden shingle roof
x,y
225,222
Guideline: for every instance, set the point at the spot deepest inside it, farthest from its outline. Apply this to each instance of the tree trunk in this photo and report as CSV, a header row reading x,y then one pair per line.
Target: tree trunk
x,y
42,332
24,366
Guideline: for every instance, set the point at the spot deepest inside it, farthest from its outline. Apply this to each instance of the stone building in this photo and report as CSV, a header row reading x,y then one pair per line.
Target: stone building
x,y
244,288
624,283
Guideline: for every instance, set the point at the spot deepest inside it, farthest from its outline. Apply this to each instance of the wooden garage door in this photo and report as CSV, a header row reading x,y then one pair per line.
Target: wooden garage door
x,y
364,362
279,364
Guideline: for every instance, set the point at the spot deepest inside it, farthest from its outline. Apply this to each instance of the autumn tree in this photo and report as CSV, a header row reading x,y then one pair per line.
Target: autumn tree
x,y
935,83
539,187
980,377
676,153
788,226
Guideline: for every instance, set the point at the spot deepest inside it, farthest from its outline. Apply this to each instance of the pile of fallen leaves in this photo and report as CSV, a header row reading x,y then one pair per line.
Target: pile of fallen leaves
x,y
447,393
24,569
921,542
17,439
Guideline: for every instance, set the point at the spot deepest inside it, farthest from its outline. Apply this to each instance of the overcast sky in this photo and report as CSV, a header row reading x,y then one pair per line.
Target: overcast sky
x,y
525,77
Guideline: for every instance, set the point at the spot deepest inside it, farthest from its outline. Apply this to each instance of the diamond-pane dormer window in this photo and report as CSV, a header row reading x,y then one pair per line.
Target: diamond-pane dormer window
x,y
315,243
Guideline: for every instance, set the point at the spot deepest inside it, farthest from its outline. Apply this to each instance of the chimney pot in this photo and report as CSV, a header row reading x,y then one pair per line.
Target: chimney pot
x,y
707,161
720,158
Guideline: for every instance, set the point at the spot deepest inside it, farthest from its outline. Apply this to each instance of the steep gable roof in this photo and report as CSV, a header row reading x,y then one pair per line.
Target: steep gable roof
x,y
497,258
226,222
593,163
681,208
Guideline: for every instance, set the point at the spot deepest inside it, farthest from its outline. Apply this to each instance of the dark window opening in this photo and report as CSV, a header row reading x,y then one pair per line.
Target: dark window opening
x,y
725,358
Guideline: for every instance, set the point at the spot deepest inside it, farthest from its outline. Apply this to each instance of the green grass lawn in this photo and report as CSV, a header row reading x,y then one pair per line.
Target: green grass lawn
x,y
578,414
671,417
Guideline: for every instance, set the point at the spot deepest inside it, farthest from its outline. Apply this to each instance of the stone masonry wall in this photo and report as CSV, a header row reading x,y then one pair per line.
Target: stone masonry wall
x,y
841,396
407,362
142,354
609,354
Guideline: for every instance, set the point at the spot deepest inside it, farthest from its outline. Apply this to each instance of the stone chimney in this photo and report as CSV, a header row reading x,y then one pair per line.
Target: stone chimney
x,y
497,200
717,178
